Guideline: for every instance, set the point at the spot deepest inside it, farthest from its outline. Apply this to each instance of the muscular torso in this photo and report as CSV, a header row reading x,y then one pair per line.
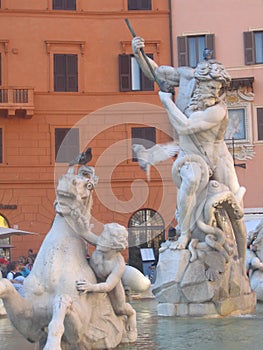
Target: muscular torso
x,y
103,267
210,139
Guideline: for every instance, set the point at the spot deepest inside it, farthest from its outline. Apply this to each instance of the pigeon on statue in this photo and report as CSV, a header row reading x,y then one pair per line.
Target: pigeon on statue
x,y
83,158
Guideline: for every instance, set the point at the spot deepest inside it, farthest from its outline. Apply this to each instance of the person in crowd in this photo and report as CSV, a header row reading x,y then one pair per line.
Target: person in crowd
x,y
24,270
3,266
30,263
13,271
15,277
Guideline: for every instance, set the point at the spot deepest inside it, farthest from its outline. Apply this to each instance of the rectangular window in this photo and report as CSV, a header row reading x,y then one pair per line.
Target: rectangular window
x,y
131,77
64,5
191,48
139,4
253,47
260,123
145,136
66,144
1,145
65,72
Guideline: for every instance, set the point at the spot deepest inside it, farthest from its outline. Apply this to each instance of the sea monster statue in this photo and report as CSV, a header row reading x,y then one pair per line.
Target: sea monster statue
x,y
54,313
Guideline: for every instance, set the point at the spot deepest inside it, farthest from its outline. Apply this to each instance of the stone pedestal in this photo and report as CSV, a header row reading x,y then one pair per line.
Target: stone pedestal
x,y
184,288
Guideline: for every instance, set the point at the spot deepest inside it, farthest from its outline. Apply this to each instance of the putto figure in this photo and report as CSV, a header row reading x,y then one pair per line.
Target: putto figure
x,y
109,267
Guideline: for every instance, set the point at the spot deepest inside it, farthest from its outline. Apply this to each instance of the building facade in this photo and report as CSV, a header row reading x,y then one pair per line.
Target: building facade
x,y
67,69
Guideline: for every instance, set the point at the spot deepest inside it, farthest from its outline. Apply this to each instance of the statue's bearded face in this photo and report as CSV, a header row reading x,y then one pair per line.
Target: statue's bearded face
x,y
206,94
210,90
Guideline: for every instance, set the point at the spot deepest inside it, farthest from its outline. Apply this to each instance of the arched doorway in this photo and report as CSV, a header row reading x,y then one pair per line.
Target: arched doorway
x,y
146,230
5,246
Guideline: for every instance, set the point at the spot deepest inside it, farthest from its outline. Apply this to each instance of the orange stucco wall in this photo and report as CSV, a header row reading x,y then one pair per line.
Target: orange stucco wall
x,y
30,32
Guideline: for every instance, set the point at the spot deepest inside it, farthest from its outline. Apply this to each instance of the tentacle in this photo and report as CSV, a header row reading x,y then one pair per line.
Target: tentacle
x,y
215,238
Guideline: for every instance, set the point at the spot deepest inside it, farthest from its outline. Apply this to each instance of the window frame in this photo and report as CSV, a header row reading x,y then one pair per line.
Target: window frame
x,y
250,47
66,47
126,75
183,48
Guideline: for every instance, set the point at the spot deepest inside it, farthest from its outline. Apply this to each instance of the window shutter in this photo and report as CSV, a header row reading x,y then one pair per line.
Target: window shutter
x,y
260,123
59,72
145,4
182,51
72,72
57,4
249,48
139,4
70,4
146,83
125,72
210,43
132,4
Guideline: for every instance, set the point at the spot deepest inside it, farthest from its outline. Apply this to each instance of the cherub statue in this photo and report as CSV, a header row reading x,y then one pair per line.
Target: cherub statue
x,y
109,266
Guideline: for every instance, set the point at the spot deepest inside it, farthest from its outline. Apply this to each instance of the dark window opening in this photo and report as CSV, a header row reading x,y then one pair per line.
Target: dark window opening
x,y
65,72
64,5
139,4
66,144
145,136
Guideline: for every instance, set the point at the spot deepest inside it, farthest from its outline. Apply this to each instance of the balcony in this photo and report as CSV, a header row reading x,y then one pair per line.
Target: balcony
x,y
16,101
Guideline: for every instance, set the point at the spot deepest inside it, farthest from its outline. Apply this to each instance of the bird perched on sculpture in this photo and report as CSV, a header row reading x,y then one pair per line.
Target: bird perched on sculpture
x,y
83,158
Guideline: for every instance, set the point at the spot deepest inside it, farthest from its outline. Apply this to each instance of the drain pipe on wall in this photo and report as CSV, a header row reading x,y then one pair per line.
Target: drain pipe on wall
x,y
171,33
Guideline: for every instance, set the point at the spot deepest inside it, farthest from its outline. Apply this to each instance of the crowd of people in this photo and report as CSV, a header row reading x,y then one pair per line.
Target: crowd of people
x,y
16,271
